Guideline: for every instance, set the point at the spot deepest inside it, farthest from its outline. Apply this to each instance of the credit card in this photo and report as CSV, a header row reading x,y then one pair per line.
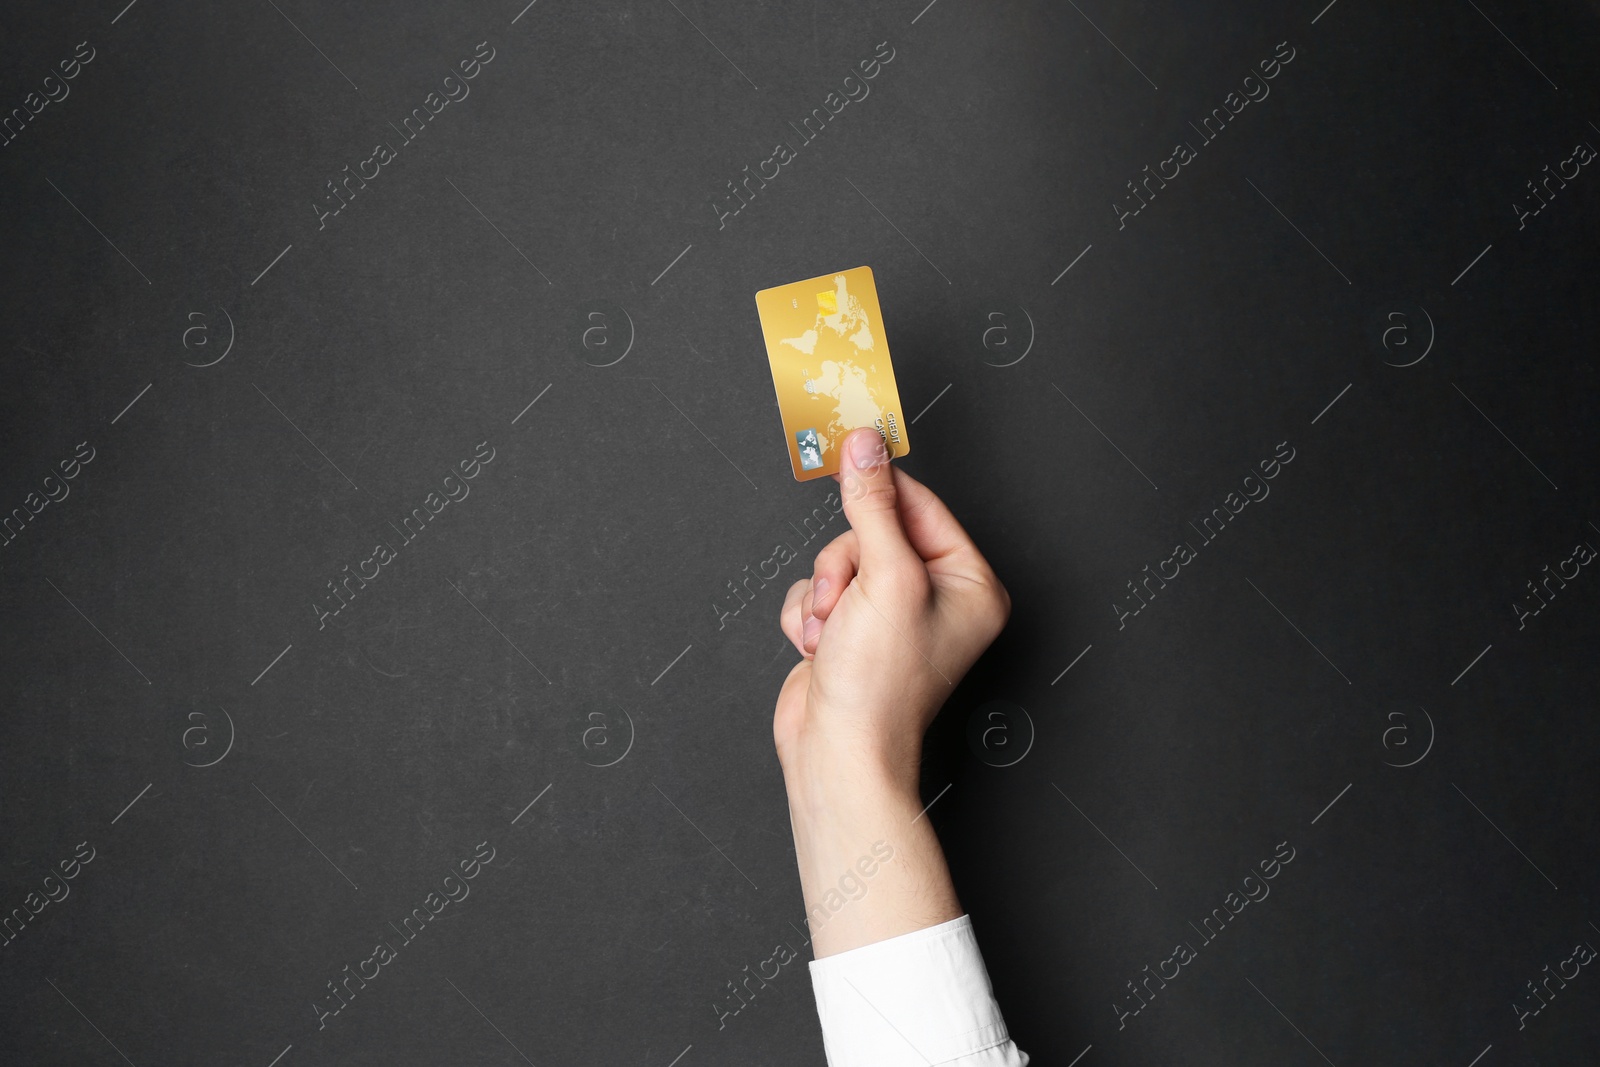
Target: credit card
x,y
830,367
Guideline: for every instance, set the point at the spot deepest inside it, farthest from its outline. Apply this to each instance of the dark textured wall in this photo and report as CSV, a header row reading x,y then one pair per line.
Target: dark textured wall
x,y
1339,322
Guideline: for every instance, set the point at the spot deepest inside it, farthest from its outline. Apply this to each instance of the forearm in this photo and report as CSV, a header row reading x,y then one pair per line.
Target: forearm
x,y
847,819
898,977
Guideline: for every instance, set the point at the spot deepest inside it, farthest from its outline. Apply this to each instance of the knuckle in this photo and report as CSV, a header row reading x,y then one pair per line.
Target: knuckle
x,y
789,614
876,498
908,578
999,606
918,509
797,590
993,607
832,553
1003,595
874,492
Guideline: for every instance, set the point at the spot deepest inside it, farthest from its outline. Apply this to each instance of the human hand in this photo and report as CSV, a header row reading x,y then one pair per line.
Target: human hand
x,y
898,608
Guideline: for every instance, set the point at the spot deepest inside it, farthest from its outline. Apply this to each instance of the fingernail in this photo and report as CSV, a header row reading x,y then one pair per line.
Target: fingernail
x,y
867,451
820,590
812,628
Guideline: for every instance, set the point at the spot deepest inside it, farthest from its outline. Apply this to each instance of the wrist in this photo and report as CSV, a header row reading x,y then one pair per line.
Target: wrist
x,y
821,778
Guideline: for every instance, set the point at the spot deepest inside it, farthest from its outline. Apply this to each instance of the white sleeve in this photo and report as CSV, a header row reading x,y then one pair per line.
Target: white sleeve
x,y
922,999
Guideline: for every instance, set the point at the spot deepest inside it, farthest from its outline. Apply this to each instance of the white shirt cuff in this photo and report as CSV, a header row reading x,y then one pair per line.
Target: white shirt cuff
x,y
922,999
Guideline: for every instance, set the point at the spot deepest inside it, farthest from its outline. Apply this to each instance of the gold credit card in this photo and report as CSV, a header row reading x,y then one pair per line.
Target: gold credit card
x,y
830,367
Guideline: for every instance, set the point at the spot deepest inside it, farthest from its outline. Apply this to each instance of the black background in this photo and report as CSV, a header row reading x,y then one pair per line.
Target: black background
x,y
1359,616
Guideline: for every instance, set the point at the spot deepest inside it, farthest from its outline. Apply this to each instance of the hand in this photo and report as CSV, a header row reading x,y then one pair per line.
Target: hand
x,y
897,610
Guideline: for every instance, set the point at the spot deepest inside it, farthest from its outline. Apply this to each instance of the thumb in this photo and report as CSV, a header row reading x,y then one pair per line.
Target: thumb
x,y
866,483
